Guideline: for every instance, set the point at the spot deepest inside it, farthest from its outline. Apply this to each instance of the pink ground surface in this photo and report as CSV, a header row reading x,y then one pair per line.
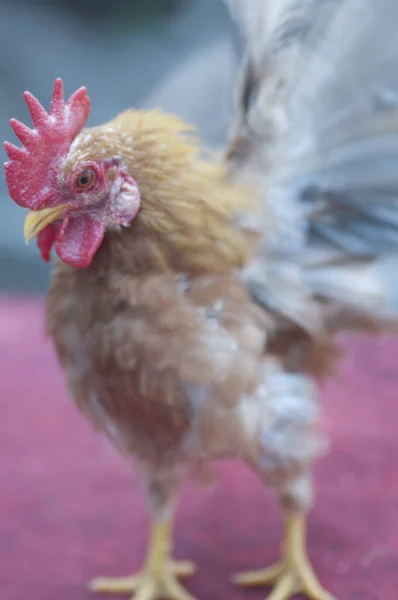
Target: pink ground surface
x,y
69,509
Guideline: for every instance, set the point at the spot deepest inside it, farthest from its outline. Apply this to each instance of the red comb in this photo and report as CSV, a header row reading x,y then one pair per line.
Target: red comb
x,y
31,171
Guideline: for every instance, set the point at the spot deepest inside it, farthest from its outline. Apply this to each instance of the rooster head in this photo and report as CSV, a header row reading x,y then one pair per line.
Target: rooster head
x,y
74,195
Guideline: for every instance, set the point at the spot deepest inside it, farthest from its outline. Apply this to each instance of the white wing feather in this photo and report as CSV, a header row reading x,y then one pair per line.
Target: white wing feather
x,y
317,117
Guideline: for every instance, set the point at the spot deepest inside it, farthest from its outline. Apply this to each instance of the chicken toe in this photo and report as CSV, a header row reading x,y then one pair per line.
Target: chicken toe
x,y
149,584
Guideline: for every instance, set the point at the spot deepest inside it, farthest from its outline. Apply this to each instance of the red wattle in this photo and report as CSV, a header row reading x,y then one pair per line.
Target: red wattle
x,y
45,241
77,243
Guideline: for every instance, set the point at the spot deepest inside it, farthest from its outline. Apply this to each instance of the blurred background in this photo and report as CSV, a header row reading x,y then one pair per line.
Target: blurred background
x,y
175,54
68,508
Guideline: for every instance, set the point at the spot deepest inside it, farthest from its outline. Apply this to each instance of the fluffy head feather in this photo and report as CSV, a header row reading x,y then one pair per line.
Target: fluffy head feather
x,y
187,215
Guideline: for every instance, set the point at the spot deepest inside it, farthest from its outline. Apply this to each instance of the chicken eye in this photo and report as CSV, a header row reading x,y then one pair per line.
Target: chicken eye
x,y
85,179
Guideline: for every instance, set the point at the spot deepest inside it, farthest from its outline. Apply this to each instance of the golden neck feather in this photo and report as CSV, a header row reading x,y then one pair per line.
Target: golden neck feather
x,y
188,208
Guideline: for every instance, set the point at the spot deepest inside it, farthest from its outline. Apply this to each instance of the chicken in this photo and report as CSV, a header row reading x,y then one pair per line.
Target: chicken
x,y
194,300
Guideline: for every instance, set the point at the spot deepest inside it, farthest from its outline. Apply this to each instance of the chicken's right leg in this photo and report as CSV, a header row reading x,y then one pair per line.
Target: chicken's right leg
x,y
159,575
158,578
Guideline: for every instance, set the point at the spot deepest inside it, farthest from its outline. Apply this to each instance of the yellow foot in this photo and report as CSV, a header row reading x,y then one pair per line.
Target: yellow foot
x,y
286,581
149,584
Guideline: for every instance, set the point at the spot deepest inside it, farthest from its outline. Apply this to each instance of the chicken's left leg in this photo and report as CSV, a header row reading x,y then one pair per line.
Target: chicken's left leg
x,y
294,574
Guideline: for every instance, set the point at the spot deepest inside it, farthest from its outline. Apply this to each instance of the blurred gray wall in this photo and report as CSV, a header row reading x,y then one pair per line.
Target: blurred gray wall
x,y
175,54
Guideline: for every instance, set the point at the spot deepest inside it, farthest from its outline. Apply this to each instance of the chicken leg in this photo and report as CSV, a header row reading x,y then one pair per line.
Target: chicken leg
x,y
294,574
159,577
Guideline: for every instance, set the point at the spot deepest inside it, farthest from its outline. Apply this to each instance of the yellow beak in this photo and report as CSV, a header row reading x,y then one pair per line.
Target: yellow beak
x,y
36,220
